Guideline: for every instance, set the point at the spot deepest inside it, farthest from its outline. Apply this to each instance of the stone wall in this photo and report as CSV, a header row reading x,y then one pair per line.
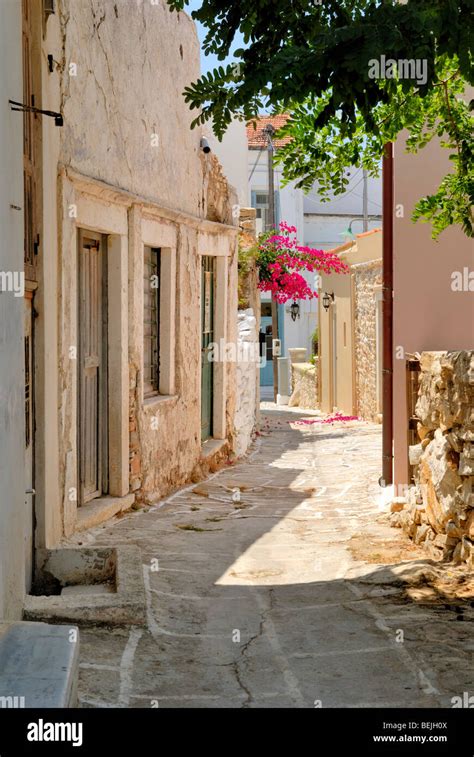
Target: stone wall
x,y
249,294
367,278
439,509
165,439
304,385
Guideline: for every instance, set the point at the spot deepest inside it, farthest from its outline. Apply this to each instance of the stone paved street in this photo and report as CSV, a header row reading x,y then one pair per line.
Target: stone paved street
x,y
261,603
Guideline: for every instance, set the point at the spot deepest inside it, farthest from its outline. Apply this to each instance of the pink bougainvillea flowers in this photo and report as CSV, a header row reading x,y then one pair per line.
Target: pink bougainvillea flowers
x,y
331,419
281,260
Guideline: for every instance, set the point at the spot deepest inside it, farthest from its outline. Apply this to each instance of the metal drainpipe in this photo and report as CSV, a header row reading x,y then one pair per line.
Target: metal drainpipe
x,y
269,131
387,312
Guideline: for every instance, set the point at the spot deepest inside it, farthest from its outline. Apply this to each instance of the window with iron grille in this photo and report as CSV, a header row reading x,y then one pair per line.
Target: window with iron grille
x,y
151,321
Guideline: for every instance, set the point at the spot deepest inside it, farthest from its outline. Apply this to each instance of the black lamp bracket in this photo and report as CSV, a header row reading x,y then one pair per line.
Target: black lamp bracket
x,y
58,119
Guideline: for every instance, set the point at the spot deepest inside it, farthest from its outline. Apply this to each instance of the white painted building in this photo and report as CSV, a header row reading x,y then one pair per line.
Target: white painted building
x,y
232,154
322,225
326,223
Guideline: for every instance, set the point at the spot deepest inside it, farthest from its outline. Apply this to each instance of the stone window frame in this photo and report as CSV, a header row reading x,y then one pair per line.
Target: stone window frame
x,y
208,244
93,214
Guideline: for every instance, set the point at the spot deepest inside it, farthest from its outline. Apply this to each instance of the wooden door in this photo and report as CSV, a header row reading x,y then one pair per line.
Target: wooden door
x,y
266,351
207,337
92,364
29,440
30,171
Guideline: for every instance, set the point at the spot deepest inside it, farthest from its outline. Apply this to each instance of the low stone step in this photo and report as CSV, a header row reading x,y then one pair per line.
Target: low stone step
x,y
39,665
88,585
86,590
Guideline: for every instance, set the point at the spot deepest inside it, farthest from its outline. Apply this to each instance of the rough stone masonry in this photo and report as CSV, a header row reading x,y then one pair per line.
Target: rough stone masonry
x,y
439,509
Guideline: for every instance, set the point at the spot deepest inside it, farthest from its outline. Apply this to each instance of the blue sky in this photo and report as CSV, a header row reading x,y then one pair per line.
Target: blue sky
x,y
209,62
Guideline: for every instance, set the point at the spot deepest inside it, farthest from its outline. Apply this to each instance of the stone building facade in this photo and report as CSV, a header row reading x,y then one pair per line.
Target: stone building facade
x,y
136,266
438,510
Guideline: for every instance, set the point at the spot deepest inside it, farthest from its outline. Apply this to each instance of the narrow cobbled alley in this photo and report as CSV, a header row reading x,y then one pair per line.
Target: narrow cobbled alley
x,y
268,586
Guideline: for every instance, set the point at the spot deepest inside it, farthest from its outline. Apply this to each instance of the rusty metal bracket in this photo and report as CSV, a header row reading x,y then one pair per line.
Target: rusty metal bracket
x,y
22,108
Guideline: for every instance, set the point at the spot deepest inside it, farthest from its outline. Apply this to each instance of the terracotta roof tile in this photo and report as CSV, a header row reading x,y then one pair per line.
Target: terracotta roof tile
x,y
256,137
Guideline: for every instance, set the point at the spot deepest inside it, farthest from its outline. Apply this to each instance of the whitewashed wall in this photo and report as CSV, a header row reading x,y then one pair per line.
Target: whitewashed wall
x,y
246,375
232,154
12,399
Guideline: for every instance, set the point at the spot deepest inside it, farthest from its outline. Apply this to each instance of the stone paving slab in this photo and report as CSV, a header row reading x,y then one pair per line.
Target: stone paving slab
x,y
260,602
38,665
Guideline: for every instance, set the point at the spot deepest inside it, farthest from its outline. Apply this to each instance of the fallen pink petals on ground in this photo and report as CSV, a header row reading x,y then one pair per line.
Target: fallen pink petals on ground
x,y
331,419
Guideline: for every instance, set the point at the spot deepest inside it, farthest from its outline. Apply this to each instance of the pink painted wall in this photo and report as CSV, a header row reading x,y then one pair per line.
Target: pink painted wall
x,y
427,315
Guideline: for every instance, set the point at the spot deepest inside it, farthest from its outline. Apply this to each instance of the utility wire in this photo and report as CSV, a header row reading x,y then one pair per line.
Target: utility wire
x,y
341,197
256,162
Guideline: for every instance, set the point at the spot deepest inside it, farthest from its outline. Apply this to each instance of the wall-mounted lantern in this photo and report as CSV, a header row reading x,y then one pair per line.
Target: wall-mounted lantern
x,y
328,298
48,7
294,310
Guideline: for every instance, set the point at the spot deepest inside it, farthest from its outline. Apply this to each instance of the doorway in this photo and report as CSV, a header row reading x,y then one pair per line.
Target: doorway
x,y
208,278
29,439
31,215
266,344
92,368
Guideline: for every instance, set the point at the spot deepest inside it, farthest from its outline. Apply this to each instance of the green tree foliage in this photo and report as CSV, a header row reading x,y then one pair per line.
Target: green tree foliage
x,y
311,59
323,155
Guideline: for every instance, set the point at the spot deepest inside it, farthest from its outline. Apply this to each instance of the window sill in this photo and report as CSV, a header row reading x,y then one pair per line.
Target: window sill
x,y
159,399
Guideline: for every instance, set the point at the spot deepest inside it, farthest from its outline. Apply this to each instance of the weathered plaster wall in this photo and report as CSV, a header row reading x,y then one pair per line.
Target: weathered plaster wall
x,y
248,295
48,296
439,509
127,165
246,390
367,281
165,432
13,509
232,154
335,335
168,430
304,385
124,66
